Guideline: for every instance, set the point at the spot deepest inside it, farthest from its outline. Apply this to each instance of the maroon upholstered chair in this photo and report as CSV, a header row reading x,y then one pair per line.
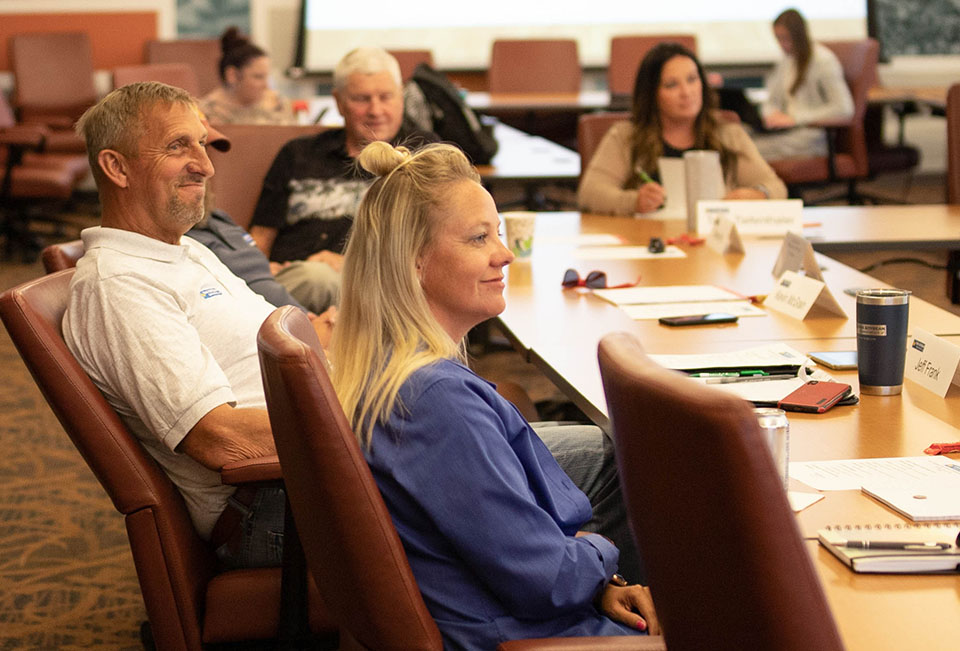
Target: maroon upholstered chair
x,y
727,566
953,144
53,77
534,66
189,601
626,53
201,54
239,174
591,128
181,75
410,59
351,545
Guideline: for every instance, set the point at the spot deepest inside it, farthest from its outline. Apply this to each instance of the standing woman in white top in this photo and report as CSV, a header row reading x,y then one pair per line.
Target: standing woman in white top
x,y
805,87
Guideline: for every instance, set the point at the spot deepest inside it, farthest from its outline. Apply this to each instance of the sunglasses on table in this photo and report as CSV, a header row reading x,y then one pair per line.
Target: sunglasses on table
x,y
594,280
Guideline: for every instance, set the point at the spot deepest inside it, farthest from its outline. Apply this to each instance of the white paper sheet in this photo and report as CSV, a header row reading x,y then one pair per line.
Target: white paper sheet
x,y
799,500
667,294
773,354
851,474
626,253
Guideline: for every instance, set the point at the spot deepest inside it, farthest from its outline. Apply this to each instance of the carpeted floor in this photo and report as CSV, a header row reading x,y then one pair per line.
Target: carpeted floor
x,y
66,575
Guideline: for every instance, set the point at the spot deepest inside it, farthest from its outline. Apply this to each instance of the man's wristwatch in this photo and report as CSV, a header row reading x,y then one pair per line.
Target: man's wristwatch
x,y
618,580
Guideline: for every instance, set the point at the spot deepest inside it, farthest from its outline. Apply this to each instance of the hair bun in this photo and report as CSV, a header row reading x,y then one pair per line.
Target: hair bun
x,y
381,158
232,38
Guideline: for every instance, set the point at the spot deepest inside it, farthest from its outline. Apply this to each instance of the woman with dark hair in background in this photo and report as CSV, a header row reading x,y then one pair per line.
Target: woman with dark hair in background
x,y
245,96
806,86
672,113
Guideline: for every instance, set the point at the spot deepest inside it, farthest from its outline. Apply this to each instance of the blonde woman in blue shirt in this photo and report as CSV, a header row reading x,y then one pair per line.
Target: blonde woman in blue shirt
x,y
492,524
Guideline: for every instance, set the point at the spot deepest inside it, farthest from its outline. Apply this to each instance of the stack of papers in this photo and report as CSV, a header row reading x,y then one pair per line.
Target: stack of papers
x,y
772,359
678,300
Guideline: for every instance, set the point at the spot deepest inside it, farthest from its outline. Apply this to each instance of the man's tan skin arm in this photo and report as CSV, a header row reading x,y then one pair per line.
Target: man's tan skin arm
x,y
227,434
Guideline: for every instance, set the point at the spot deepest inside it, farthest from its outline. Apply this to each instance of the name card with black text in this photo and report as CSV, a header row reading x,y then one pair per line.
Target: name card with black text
x,y
796,254
932,362
762,218
724,237
796,295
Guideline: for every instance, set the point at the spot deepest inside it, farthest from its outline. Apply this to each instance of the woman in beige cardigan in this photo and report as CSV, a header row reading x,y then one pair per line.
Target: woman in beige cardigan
x,y
672,113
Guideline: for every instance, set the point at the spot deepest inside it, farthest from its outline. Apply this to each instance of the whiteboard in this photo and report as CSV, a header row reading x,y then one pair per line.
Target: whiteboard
x,y
460,35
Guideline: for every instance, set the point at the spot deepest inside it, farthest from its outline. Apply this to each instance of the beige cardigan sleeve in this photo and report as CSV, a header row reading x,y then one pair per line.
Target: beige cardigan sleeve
x,y
751,170
602,184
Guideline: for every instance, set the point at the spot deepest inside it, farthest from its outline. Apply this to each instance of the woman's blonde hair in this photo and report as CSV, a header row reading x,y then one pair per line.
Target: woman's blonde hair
x,y
385,329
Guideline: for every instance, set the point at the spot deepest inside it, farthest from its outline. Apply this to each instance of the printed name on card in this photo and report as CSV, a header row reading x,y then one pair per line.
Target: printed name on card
x,y
753,217
724,237
796,295
797,254
932,362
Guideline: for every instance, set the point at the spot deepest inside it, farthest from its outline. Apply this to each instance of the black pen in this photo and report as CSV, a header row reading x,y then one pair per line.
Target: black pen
x,y
903,546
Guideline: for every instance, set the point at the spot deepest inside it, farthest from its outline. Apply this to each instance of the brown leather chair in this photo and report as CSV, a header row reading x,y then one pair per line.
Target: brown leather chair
x,y
189,602
62,255
239,174
53,77
591,128
534,66
350,542
953,144
626,53
727,566
180,75
410,59
203,55
847,159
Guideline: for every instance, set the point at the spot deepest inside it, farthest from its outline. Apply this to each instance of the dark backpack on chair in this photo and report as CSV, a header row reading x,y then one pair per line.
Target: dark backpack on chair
x,y
435,104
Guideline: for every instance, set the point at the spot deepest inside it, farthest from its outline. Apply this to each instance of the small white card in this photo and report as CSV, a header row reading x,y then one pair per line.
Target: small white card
x,y
796,254
932,362
672,179
724,237
775,217
795,295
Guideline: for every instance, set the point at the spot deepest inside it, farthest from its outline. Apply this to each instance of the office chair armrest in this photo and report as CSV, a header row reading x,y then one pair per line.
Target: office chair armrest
x,y
248,471
24,136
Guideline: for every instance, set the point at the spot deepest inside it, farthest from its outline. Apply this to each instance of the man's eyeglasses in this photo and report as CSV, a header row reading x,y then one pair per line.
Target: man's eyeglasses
x,y
594,280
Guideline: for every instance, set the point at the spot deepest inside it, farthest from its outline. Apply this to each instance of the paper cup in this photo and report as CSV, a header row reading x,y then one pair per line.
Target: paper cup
x,y
520,227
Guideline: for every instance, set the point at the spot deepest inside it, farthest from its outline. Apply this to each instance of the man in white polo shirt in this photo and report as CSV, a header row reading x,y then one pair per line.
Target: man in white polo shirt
x,y
162,327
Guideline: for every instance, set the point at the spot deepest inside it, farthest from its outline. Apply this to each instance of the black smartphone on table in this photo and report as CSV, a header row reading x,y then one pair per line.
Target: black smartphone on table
x,y
698,319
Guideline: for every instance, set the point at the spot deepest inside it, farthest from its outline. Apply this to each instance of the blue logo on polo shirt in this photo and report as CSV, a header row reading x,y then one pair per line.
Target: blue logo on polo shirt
x,y
210,292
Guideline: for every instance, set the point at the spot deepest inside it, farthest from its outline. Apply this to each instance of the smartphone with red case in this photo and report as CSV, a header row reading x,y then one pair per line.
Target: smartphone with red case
x,y
815,397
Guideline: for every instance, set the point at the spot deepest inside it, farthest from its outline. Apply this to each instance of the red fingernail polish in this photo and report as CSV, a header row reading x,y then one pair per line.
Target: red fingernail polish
x,y
640,625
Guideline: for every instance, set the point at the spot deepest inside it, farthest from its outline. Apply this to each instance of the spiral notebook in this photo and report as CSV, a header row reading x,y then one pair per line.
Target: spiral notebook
x,y
920,552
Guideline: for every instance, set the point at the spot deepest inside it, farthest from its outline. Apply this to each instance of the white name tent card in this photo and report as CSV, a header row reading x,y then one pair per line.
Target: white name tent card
x,y
932,362
796,295
724,237
775,217
796,254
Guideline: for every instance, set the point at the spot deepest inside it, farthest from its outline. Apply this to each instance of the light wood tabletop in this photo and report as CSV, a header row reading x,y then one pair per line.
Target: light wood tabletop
x,y
558,331
851,228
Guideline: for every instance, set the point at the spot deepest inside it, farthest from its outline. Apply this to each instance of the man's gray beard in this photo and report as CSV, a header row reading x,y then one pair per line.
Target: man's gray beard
x,y
185,214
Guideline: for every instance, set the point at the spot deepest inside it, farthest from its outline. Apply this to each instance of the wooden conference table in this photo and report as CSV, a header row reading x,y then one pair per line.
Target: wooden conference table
x,y
558,331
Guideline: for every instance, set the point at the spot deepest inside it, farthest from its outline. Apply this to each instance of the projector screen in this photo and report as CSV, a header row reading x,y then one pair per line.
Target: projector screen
x,y
460,34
